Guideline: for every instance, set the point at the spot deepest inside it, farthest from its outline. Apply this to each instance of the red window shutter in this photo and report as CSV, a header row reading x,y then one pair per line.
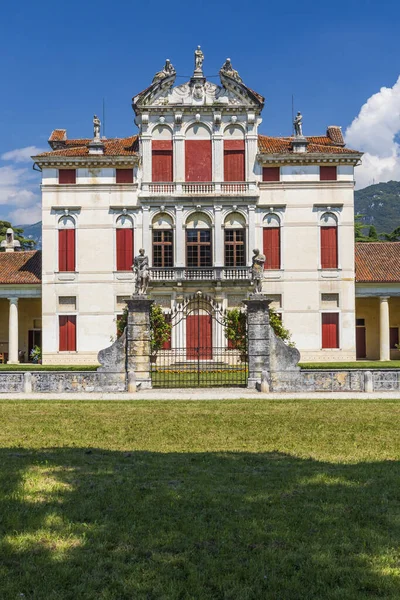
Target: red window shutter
x,y
272,247
62,345
327,173
330,330
394,337
66,250
124,176
70,249
67,176
71,333
198,161
124,249
271,174
329,253
162,160
234,160
62,250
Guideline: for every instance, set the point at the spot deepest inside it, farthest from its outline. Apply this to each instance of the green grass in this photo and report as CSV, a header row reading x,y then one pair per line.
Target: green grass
x,y
32,367
360,364
178,378
232,500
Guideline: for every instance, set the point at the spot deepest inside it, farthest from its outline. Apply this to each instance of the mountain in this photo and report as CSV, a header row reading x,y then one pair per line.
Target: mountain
x,y
34,232
380,203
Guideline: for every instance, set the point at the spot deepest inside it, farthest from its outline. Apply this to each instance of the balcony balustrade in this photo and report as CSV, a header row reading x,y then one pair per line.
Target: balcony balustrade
x,y
225,188
199,274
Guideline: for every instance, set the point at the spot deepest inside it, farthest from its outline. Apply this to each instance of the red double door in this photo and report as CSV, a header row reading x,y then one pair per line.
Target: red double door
x,y
199,337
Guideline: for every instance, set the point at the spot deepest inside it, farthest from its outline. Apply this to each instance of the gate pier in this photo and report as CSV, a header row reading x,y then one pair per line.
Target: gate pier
x,y
258,338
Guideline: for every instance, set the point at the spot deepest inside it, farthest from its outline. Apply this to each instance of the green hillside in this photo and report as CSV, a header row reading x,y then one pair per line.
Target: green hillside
x,y
380,203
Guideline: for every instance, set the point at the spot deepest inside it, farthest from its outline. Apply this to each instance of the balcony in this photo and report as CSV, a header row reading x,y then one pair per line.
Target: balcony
x,y
209,274
223,188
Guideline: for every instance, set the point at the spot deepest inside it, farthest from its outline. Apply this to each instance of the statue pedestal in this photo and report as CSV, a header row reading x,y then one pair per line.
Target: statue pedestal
x,y
299,144
138,343
258,337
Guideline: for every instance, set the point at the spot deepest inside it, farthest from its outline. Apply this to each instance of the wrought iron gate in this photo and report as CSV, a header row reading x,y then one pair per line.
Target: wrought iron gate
x,y
198,353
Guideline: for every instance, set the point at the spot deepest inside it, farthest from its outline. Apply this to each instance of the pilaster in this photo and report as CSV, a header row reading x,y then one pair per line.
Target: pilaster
x,y
179,238
384,331
218,238
179,156
13,332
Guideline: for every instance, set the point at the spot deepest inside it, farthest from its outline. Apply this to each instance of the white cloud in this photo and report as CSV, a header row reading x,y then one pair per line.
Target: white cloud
x,y
25,216
22,154
374,132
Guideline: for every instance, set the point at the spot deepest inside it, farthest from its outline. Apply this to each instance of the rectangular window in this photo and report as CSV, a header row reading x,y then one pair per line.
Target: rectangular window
x,y
234,160
162,160
330,330
327,173
198,164
394,337
235,248
67,176
66,303
124,249
329,301
66,249
271,174
124,175
272,247
67,333
329,253
198,248
163,248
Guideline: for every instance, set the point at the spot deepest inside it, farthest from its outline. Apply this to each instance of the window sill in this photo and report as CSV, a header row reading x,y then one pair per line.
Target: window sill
x,y
66,275
273,273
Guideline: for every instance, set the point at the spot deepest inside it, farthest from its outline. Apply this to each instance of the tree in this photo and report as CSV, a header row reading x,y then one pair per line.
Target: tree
x,y
373,234
359,229
26,244
159,326
392,237
235,329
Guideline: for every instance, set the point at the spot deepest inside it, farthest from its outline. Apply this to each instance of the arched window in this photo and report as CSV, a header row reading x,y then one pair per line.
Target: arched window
x,y
272,241
124,243
66,244
198,241
329,241
163,241
235,240
162,154
198,162
234,154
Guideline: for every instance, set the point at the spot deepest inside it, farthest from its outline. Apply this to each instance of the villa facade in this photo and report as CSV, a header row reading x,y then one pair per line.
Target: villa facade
x,y
199,188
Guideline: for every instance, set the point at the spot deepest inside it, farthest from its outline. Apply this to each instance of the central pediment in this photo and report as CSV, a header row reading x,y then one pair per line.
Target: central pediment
x,y
197,91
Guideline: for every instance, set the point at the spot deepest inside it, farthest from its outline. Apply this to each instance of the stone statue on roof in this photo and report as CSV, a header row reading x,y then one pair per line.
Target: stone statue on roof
x,y
227,69
167,71
96,127
298,124
198,60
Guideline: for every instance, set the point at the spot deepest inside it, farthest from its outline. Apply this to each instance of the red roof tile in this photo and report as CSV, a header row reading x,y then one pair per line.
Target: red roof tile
x,y
316,145
21,267
58,135
377,262
112,147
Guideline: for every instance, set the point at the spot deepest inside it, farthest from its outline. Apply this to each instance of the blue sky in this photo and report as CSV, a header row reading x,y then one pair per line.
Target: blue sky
x,y
60,59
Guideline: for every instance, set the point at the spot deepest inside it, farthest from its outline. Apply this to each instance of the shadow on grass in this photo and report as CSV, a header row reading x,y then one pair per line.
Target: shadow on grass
x,y
81,523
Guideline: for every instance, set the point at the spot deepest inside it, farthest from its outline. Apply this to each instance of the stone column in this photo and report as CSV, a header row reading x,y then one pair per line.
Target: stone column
x,y
179,156
13,332
218,157
146,157
258,338
180,253
384,332
138,351
218,238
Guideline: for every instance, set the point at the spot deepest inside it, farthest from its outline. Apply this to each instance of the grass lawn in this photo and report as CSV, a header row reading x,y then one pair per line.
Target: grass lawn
x,y
232,500
359,364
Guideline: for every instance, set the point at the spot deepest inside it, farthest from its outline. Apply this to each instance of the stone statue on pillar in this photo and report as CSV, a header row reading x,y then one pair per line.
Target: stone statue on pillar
x,y
257,270
298,125
141,269
96,127
198,60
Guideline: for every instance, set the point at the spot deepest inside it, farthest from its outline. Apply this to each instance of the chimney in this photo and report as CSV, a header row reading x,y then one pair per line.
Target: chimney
x,y
334,133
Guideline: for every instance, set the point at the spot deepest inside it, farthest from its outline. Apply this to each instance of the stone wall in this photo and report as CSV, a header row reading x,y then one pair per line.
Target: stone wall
x,y
57,382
